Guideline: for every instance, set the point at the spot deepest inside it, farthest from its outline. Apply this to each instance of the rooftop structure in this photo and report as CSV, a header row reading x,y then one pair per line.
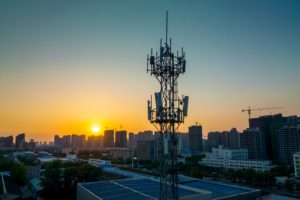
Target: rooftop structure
x,y
132,189
257,165
222,191
141,186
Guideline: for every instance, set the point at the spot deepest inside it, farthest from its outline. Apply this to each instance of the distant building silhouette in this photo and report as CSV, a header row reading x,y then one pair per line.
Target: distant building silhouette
x,y
229,139
288,142
94,142
131,139
254,141
6,142
66,141
57,141
144,136
264,123
147,150
269,125
77,141
183,142
20,141
31,145
195,138
121,139
108,140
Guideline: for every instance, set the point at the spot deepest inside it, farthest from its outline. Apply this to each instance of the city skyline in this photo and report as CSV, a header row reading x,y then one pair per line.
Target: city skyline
x,y
68,66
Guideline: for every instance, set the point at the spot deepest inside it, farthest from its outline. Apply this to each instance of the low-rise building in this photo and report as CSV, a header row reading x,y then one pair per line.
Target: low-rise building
x,y
99,162
257,165
236,159
124,153
296,157
229,154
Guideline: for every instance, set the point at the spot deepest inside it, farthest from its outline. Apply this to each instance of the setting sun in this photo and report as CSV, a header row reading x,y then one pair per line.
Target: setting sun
x,y
95,128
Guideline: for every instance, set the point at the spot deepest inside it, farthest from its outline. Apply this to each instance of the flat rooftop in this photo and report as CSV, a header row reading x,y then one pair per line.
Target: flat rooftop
x,y
218,189
131,189
146,185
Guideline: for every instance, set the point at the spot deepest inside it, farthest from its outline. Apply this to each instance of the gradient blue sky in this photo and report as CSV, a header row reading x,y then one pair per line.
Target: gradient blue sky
x,y
65,65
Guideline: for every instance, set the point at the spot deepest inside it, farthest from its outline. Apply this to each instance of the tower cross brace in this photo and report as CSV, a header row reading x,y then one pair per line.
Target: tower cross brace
x,y
168,112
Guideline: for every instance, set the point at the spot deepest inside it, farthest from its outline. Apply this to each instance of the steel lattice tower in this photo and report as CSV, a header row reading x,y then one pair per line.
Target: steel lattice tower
x,y
168,112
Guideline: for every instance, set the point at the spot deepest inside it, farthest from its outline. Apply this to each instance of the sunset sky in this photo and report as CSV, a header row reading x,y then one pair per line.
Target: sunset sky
x,y
66,65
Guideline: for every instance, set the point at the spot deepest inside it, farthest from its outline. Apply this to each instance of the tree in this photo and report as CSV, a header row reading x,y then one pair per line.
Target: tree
x,y
289,184
27,160
18,174
5,163
70,181
194,160
196,173
298,187
88,173
281,170
51,180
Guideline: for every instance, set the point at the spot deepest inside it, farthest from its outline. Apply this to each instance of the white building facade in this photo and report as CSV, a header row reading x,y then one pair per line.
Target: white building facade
x,y
236,159
296,158
99,162
228,154
257,165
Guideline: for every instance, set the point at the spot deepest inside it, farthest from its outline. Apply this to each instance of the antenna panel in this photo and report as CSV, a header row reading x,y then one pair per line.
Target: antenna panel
x,y
158,101
185,106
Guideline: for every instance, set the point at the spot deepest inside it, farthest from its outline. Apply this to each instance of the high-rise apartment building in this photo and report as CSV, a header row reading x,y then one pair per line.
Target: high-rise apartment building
x,y
66,141
20,141
6,142
108,139
131,139
78,141
94,142
229,139
62,142
288,142
31,145
121,139
147,150
57,141
144,136
195,138
183,142
254,141
265,124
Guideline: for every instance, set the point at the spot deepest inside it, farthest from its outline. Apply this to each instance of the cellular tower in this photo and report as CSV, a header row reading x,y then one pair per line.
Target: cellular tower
x,y
167,111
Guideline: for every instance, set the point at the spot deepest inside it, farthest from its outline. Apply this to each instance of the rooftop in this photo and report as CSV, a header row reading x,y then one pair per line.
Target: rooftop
x,y
218,189
133,189
141,186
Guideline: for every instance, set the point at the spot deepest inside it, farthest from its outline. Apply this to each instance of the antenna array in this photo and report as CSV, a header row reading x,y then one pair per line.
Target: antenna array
x,y
168,111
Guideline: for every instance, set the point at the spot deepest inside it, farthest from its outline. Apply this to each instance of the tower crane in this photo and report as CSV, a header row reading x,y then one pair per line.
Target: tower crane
x,y
249,110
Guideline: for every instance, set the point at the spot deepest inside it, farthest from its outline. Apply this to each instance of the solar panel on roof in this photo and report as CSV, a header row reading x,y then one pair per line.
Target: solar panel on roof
x,y
129,189
110,191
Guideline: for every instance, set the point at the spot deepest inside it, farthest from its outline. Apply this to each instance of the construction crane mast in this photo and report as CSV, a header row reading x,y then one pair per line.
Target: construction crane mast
x,y
167,112
249,110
